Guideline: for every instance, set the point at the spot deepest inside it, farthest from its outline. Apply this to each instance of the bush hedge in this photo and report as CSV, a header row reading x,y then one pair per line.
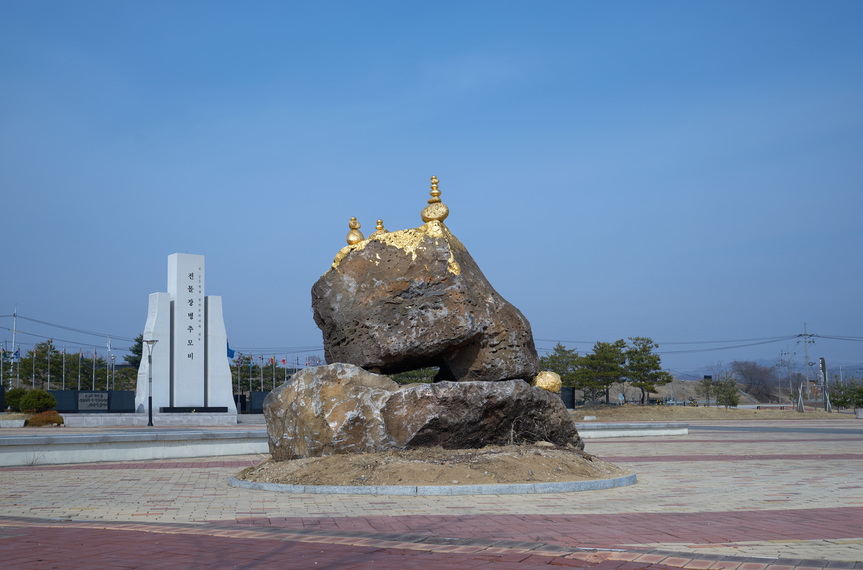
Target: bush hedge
x,y
13,398
37,400
49,418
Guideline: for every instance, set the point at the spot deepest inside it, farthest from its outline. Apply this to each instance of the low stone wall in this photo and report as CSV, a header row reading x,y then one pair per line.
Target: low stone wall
x,y
117,420
603,430
12,423
57,448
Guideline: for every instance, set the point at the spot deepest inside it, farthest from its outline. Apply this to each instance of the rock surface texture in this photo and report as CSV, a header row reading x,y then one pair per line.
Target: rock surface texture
x,y
326,410
415,298
341,408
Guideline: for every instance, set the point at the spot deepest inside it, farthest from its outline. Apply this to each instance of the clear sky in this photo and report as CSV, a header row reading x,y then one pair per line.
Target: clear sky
x,y
687,171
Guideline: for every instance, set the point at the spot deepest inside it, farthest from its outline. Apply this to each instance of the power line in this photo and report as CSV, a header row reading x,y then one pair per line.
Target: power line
x,y
82,331
289,350
61,340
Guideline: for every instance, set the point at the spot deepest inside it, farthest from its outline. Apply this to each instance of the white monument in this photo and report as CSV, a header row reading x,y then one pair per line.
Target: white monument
x,y
191,371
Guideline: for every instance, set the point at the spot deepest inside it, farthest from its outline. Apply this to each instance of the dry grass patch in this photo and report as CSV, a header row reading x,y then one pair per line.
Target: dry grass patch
x,y
636,413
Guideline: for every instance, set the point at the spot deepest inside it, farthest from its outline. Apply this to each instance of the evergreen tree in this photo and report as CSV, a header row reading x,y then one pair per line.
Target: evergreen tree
x,y
644,366
137,352
726,391
564,362
604,367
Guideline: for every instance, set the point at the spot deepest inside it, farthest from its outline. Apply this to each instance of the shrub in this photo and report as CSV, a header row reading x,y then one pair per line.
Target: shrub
x,y
37,400
48,418
13,398
846,395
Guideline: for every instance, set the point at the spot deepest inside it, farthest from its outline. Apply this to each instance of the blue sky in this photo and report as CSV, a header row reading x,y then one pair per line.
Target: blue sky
x,y
688,171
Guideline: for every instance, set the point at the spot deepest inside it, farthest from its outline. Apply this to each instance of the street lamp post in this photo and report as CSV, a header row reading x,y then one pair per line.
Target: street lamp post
x,y
150,344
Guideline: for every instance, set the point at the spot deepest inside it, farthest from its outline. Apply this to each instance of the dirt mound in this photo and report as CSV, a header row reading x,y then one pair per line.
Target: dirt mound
x,y
540,463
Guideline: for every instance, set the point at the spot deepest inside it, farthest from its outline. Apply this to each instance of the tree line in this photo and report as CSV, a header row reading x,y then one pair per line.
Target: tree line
x,y
635,362
45,366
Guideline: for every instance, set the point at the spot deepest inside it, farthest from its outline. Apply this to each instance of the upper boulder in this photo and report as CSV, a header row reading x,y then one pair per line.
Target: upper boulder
x,y
415,298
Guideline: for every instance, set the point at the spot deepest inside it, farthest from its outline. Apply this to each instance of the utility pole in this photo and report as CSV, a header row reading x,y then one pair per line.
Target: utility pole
x,y
14,327
779,375
806,356
827,407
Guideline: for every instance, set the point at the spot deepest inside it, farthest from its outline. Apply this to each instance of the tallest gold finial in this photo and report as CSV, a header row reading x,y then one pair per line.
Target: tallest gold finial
x,y
436,210
435,193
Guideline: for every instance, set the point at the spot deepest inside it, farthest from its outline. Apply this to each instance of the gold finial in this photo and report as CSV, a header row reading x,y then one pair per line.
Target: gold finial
x,y
355,235
379,230
436,210
435,193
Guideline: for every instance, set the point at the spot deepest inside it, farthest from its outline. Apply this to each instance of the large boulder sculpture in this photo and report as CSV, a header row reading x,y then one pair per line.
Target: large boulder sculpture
x,y
415,298
341,408
404,300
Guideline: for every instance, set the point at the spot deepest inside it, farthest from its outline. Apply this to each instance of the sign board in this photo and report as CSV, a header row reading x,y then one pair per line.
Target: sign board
x,y
92,401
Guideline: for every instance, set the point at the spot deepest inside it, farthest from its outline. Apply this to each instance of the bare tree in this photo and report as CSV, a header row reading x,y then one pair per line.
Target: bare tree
x,y
758,381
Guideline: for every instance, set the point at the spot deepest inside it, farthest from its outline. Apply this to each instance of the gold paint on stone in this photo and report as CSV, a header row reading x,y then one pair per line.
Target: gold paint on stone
x,y
410,241
548,380
354,235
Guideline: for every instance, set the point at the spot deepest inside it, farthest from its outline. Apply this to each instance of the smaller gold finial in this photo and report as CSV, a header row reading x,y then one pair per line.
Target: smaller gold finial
x,y
379,230
436,210
355,235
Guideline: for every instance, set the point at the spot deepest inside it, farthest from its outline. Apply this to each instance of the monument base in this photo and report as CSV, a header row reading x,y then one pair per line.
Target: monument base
x,y
159,420
193,410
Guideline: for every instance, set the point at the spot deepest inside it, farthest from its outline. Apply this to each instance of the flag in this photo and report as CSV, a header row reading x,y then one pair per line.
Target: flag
x,y
230,352
17,355
283,362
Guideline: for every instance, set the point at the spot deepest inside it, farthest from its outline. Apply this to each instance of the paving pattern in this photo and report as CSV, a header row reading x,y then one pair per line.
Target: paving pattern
x,y
733,495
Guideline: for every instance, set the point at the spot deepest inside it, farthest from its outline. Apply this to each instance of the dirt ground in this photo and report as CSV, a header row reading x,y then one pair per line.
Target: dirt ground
x,y
536,463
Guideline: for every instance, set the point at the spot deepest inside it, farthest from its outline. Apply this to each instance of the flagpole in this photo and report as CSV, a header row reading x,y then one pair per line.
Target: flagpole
x,y
93,386
108,364
15,326
64,367
33,379
80,355
274,371
48,357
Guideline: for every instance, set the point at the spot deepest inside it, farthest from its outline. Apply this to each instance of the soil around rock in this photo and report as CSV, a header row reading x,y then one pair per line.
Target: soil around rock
x,y
510,464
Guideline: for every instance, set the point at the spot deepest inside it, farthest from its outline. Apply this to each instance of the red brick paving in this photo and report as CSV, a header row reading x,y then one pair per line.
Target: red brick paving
x,y
458,540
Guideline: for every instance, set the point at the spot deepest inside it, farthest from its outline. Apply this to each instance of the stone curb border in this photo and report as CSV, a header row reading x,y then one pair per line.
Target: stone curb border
x,y
440,490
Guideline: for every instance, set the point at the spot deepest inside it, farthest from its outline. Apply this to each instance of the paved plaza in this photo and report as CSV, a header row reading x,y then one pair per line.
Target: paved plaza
x,y
730,495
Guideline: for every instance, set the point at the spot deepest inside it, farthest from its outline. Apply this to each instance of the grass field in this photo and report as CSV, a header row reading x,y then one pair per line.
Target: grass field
x,y
636,413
